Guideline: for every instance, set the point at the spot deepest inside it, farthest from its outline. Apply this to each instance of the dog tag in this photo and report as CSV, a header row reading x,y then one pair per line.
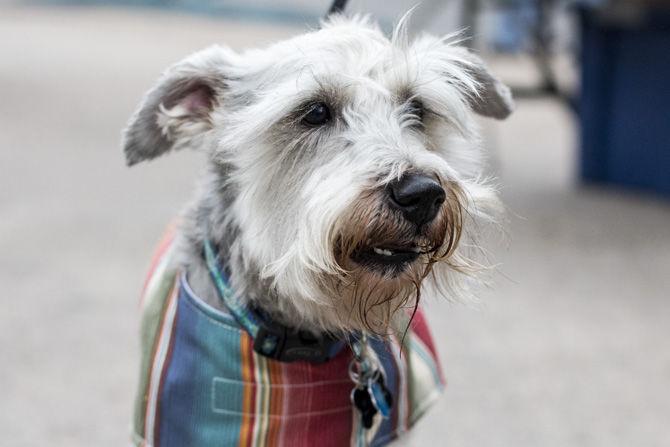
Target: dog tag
x,y
380,396
363,402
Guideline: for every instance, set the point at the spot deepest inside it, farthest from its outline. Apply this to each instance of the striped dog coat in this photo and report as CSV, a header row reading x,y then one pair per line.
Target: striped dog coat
x,y
202,384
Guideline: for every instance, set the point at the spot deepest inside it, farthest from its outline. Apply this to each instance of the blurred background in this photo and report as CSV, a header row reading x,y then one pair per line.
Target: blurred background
x,y
569,347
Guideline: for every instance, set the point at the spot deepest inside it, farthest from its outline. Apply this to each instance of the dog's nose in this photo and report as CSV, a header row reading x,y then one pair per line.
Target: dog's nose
x,y
419,197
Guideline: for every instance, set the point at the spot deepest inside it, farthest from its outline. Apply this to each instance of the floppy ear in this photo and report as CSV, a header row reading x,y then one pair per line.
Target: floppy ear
x,y
493,98
177,110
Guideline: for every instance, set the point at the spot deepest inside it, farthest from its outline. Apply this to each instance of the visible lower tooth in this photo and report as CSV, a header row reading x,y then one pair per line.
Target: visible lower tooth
x,y
383,252
416,250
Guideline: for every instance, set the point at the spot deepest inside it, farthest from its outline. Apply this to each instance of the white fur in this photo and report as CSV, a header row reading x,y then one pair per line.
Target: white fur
x,y
294,189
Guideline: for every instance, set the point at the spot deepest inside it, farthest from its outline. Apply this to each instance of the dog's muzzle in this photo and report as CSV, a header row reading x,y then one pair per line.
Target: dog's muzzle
x,y
407,220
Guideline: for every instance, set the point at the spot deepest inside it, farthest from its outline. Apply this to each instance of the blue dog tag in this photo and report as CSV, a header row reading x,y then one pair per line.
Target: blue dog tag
x,y
380,395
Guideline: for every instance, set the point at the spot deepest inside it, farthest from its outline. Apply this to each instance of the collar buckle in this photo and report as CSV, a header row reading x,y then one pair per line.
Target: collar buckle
x,y
289,345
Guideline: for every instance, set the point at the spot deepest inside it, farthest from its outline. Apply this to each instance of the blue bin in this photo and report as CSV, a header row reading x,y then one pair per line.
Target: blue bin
x,y
625,101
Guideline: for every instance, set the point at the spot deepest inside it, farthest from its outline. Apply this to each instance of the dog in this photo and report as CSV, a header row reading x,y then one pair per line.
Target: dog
x,y
344,181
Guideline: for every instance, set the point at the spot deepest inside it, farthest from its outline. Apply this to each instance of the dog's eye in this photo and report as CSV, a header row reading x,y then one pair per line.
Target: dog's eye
x,y
415,107
317,114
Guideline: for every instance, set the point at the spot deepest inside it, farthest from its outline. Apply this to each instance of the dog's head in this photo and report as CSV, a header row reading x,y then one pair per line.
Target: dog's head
x,y
349,160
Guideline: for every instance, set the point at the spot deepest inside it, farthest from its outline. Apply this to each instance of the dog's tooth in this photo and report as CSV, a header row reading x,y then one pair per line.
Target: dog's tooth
x,y
382,251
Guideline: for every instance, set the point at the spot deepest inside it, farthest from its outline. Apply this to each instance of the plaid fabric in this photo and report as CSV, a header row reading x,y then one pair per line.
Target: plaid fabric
x,y
202,384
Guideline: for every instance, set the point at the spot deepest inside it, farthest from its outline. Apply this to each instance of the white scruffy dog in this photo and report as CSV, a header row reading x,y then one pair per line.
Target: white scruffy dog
x,y
344,174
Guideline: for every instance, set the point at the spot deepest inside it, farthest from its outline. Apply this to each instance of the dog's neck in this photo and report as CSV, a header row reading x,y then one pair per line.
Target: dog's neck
x,y
208,218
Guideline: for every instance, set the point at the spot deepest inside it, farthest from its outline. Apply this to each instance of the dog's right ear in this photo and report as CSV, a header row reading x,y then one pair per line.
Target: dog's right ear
x,y
177,110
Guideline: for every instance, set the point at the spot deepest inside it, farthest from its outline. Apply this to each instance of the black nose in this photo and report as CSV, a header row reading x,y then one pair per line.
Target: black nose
x,y
418,196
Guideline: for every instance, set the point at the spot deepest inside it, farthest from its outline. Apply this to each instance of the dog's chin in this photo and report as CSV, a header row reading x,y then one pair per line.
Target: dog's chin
x,y
387,260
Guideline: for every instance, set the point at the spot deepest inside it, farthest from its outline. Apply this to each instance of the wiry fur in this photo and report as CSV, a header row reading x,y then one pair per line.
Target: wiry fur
x,y
287,205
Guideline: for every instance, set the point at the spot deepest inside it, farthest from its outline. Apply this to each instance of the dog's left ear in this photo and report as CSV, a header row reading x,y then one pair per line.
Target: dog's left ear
x,y
177,110
493,98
